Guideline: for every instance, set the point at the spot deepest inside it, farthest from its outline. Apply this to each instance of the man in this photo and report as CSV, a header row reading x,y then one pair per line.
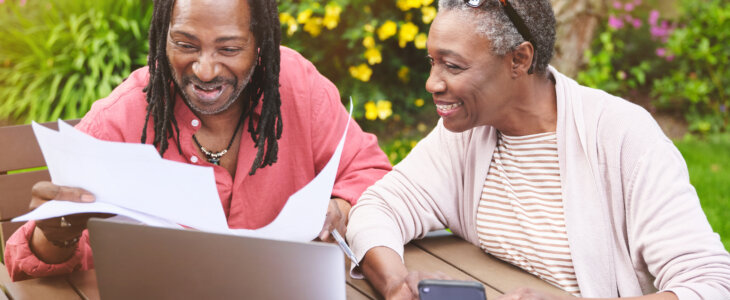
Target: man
x,y
214,95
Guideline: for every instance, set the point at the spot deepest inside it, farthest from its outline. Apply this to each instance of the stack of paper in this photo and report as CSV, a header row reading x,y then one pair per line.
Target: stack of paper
x,y
133,181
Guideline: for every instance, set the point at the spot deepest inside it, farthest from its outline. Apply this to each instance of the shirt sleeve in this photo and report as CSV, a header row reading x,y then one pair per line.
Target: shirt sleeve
x,y
420,195
362,162
668,231
23,264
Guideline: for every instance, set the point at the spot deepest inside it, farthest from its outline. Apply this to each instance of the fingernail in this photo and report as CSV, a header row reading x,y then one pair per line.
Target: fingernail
x,y
87,198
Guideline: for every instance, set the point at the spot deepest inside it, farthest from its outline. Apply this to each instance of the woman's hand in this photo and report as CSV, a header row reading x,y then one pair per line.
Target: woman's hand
x,y
530,294
408,287
336,218
54,239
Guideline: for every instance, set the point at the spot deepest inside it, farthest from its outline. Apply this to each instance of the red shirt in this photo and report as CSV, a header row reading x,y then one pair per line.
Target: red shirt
x,y
313,121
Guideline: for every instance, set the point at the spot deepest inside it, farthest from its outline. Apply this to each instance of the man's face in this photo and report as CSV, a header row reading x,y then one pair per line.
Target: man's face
x,y
212,52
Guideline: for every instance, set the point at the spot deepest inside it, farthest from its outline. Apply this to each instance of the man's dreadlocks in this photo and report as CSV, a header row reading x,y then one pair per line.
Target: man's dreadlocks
x,y
264,81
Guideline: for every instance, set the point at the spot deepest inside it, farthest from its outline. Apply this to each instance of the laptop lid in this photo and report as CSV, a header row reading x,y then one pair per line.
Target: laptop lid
x,y
140,262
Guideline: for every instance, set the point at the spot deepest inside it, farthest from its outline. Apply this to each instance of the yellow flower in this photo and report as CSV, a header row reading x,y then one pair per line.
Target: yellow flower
x,y
361,72
371,110
422,127
313,26
293,26
332,15
285,17
420,41
406,5
303,16
403,73
388,29
392,156
368,42
402,5
288,19
384,109
426,2
413,144
428,12
419,102
373,56
407,33
368,28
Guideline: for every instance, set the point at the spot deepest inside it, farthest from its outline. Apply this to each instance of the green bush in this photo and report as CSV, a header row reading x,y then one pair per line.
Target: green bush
x,y
682,65
699,84
627,54
57,57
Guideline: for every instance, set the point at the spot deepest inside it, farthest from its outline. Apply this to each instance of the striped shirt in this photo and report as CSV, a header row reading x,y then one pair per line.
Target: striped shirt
x,y
520,216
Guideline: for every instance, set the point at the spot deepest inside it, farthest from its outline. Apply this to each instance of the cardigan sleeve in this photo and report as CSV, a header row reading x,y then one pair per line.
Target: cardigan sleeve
x,y
668,231
23,264
418,196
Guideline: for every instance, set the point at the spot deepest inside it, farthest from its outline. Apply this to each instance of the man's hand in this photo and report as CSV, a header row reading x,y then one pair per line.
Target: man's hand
x,y
58,230
336,218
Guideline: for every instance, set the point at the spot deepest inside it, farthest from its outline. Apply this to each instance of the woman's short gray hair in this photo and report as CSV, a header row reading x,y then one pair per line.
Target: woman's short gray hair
x,y
495,25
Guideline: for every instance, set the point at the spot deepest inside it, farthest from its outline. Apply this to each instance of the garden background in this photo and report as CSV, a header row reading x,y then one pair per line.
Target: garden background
x,y
671,57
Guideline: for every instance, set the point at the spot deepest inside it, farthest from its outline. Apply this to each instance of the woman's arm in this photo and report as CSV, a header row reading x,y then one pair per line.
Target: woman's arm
x,y
667,229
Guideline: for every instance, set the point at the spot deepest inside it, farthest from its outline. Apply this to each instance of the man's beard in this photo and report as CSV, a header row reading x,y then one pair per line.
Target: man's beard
x,y
192,79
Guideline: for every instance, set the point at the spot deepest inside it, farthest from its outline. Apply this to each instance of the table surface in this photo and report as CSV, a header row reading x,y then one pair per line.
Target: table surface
x,y
448,254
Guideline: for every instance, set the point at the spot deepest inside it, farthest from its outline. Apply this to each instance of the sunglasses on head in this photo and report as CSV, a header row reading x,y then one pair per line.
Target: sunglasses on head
x,y
514,18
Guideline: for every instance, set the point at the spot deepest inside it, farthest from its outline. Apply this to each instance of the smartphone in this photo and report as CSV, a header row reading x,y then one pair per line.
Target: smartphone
x,y
432,289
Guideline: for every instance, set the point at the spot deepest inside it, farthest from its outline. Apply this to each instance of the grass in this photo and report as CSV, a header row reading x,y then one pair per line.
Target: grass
x,y
708,161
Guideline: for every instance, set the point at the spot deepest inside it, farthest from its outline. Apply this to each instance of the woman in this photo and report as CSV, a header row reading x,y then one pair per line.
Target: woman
x,y
566,182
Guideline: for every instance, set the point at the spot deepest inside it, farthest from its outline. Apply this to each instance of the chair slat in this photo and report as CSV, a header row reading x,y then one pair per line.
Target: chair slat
x,y
15,197
19,148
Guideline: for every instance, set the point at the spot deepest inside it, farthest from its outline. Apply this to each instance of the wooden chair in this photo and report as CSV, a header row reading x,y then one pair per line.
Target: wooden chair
x,y
19,150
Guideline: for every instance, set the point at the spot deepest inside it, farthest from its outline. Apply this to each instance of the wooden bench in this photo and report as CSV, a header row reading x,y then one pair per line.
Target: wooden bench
x,y
19,150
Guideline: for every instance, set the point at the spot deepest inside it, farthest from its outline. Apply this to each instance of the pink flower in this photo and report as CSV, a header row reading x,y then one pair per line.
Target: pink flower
x,y
661,52
637,2
669,57
629,7
636,23
653,16
617,5
615,23
22,2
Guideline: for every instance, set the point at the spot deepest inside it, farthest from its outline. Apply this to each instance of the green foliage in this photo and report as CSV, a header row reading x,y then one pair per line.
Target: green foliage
x,y
373,50
708,161
627,54
60,56
700,82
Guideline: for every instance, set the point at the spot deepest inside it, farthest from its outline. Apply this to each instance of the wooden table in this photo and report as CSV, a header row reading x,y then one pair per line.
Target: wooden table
x,y
447,254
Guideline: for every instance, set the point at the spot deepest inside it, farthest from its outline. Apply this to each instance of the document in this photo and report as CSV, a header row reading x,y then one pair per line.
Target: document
x,y
132,180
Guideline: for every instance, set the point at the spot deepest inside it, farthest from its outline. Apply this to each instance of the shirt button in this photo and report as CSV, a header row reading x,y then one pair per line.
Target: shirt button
x,y
194,159
195,123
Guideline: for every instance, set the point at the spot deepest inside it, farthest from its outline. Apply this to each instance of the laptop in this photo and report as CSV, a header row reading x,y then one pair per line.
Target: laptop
x,y
134,261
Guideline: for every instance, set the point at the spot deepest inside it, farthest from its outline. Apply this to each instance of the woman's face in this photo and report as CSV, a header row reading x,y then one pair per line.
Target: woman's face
x,y
470,85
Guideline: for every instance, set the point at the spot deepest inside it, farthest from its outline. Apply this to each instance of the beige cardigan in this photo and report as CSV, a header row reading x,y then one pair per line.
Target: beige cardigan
x,y
634,221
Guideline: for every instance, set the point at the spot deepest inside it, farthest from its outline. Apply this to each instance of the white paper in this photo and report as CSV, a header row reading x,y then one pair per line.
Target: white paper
x,y
132,180
128,177
304,213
